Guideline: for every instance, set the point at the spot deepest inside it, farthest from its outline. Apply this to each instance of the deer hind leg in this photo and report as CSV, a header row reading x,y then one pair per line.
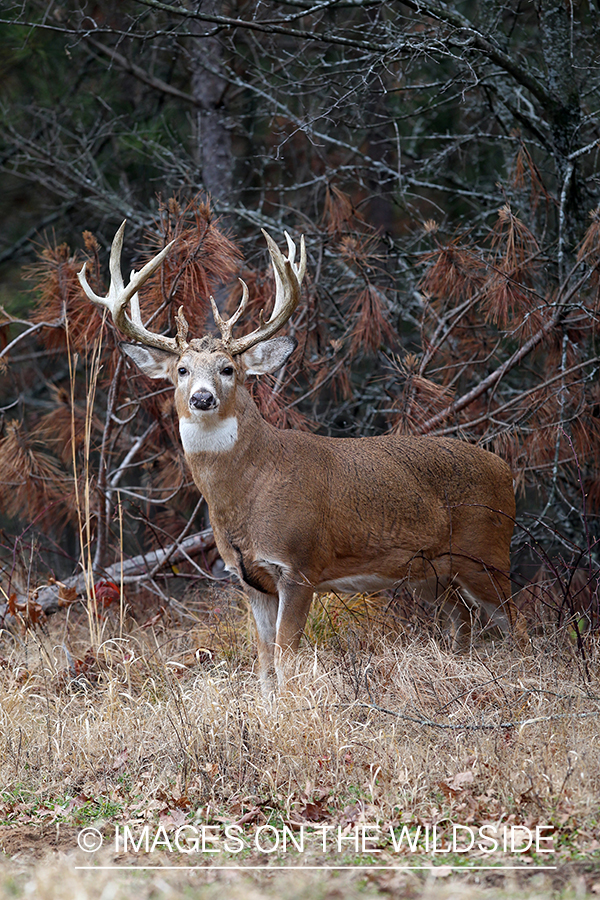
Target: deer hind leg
x,y
264,609
493,592
294,604
443,595
462,612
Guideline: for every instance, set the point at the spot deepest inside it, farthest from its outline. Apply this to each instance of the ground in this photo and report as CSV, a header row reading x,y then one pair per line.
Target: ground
x,y
389,767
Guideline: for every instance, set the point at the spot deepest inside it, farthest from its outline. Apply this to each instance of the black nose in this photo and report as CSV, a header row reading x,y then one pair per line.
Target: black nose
x,y
202,400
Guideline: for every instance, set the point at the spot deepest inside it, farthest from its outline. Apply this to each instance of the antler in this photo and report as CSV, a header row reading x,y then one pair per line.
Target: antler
x,y
119,296
288,278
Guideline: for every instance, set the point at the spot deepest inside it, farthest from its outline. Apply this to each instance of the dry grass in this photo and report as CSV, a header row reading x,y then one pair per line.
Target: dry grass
x,y
168,728
58,879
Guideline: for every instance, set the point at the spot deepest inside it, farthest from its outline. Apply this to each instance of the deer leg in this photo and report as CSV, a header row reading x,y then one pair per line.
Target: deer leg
x,y
264,609
461,610
492,590
294,604
455,611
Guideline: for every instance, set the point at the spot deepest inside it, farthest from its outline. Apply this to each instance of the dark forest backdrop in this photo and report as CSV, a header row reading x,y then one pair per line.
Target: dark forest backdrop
x,y
442,162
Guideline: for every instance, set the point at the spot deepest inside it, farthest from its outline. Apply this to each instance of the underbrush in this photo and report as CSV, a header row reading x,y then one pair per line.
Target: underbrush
x,y
382,734
373,729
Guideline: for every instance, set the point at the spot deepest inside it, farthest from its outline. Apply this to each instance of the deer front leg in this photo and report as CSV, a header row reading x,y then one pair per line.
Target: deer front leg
x,y
264,609
294,604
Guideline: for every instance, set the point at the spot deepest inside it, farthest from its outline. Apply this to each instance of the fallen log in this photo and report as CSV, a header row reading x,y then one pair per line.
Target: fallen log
x,y
55,596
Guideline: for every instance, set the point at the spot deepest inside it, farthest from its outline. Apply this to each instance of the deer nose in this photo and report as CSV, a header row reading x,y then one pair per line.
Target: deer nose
x,y
202,400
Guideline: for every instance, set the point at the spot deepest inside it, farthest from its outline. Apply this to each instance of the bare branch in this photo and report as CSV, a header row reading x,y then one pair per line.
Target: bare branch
x,y
135,569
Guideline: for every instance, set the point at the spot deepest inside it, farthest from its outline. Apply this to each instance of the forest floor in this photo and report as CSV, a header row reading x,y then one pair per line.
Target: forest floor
x,y
139,758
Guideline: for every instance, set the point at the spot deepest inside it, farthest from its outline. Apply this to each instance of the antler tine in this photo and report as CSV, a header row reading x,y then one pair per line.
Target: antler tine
x,y
301,268
114,263
225,326
119,295
288,278
282,281
182,330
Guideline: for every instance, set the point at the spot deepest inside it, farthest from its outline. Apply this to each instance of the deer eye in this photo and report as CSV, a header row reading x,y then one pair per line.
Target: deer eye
x,y
182,371
227,370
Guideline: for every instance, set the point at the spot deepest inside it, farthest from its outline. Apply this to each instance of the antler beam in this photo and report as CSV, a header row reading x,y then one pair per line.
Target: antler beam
x,y
120,296
288,279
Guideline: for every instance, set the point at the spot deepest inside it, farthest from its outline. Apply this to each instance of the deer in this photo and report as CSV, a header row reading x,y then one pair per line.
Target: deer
x,y
294,513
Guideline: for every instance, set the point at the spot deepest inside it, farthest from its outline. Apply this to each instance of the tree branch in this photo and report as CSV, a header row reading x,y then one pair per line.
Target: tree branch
x,y
152,81
129,570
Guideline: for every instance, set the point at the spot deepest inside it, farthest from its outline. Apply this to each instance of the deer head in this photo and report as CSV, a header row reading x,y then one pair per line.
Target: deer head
x,y
206,371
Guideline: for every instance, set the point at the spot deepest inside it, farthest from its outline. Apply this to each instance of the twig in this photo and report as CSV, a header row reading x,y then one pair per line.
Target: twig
x,y
482,726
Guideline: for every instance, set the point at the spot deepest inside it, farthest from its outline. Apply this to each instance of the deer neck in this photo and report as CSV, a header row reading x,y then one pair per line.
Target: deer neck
x,y
228,447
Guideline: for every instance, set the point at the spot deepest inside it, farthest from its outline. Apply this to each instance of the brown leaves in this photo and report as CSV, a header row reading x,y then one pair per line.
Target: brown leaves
x,y
67,595
508,295
456,273
483,304
70,445
338,211
315,809
60,299
28,613
419,397
371,327
202,258
590,246
589,252
273,406
65,425
30,479
499,280
357,251
454,787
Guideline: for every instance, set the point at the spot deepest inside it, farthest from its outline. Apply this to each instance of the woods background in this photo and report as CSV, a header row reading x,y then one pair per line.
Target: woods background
x,y
442,162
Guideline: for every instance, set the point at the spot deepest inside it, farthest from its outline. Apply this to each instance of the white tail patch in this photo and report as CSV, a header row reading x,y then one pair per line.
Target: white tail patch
x,y
208,437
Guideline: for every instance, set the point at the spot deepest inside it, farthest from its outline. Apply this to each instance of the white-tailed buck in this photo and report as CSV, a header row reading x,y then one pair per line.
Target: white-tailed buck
x,y
294,513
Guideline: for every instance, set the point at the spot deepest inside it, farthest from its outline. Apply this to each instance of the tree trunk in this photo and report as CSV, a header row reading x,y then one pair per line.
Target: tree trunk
x,y
209,87
564,118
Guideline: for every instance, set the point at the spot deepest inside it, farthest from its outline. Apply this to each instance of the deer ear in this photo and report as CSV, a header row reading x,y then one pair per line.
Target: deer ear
x,y
153,362
268,356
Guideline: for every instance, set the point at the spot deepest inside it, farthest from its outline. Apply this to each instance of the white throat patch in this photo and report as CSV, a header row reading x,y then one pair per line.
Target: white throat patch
x,y
199,437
